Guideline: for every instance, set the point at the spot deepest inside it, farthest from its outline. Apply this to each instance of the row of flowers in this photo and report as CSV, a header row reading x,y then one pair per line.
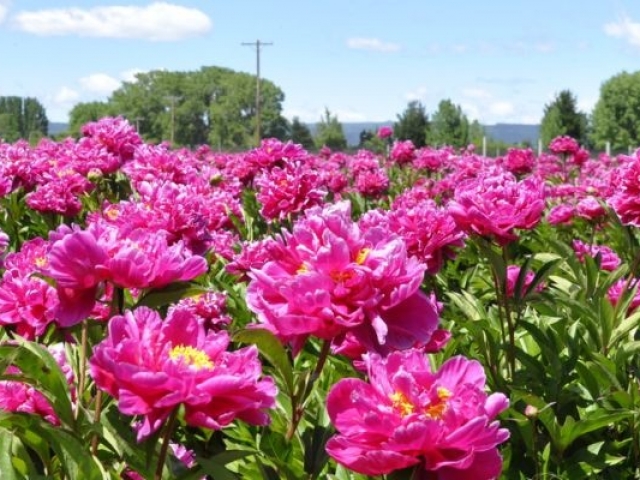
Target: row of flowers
x,y
334,252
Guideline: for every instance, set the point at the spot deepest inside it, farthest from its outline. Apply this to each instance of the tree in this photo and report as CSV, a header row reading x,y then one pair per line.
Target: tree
x,y
616,116
330,132
22,118
476,133
561,117
212,105
83,113
449,126
412,124
300,133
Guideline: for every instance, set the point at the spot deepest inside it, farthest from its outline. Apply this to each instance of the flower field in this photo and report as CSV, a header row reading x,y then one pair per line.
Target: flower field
x,y
425,314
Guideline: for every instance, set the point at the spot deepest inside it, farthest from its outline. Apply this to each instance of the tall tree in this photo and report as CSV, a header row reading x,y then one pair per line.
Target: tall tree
x,y
301,134
212,105
330,132
22,117
562,117
412,124
449,126
616,116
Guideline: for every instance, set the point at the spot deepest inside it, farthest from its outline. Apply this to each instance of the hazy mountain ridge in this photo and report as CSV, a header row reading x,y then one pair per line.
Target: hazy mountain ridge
x,y
511,133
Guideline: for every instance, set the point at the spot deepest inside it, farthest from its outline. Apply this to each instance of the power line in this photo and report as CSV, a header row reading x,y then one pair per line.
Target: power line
x,y
257,45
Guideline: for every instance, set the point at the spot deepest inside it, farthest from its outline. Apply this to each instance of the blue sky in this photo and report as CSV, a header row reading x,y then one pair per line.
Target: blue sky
x,y
364,60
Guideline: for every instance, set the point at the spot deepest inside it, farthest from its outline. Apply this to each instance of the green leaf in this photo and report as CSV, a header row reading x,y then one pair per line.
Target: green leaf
x,y
159,297
6,454
573,429
273,351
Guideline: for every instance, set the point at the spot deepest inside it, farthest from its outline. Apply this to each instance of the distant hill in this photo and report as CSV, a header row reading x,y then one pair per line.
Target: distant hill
x,y
511,133
56,128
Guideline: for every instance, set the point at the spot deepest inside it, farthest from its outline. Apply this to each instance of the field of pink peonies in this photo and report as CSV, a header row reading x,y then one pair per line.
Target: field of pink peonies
x,y
422,314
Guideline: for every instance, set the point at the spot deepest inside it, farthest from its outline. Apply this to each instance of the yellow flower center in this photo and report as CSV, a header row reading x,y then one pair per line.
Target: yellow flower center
x,y
41,262
402,404
437,408
304,268
112,213
193,357
362,255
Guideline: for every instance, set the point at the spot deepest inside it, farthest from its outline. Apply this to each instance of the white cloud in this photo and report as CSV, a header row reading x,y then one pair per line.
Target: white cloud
x,y
346,115
130,75
159,21
501,108
4,8
419,94
626,29
99,83
372,44
65,95
470,110
459,48
475,92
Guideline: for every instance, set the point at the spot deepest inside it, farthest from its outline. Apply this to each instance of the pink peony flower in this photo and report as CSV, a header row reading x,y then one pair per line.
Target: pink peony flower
x,y
496,204
590,209
513,272
564,145
329,277
609,260
385,132
626,200
151,367
407,415
21,397
519,161
561,215
403,152
618,289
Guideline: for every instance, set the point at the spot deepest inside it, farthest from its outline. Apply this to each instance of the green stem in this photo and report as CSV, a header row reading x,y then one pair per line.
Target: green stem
x,y
82,368
297,403
96,418
511,352
166,438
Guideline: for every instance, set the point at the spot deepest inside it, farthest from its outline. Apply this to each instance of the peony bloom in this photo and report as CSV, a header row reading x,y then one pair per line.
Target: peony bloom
x,y
626,200
619,288
564,145
403,152
609,260
496,204
561,214
329,277
590,209
406,415
385,132
151,367
519,161
513,272
21,397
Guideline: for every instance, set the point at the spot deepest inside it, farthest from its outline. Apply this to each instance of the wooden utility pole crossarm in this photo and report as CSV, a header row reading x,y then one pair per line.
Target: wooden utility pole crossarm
x,y
257,45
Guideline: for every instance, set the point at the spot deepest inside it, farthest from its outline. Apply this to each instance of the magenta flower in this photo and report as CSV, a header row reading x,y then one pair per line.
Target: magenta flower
x,y
385,132
561,215
496,204
564,145
626,200
329,277
406,415
24,398
152,366
619,288
513,272
519,161
590,209
609,260
403,152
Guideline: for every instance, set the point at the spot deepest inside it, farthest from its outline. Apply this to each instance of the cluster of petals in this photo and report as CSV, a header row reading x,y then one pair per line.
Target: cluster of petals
x,y
626,200
590,208
329,277
407,415
151,367
564,145
429,231
519,161
385,132
81,260
116,134
372,183
513,273
496,204
287,190
618,289
609,260
403,152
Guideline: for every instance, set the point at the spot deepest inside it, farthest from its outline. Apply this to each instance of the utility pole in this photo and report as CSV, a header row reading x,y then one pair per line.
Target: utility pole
x,y
137,120
173,99
257,44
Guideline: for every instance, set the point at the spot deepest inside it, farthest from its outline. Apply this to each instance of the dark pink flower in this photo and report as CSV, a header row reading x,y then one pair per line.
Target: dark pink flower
x,y
407,415
519,161
561,214
564,145
494,205
619,288
385,132
609,260
513,272
403,151
329,277
151,367
626,200
590,209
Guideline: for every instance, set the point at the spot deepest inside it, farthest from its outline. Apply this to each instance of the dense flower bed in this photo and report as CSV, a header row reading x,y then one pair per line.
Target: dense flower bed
x,y
424,314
